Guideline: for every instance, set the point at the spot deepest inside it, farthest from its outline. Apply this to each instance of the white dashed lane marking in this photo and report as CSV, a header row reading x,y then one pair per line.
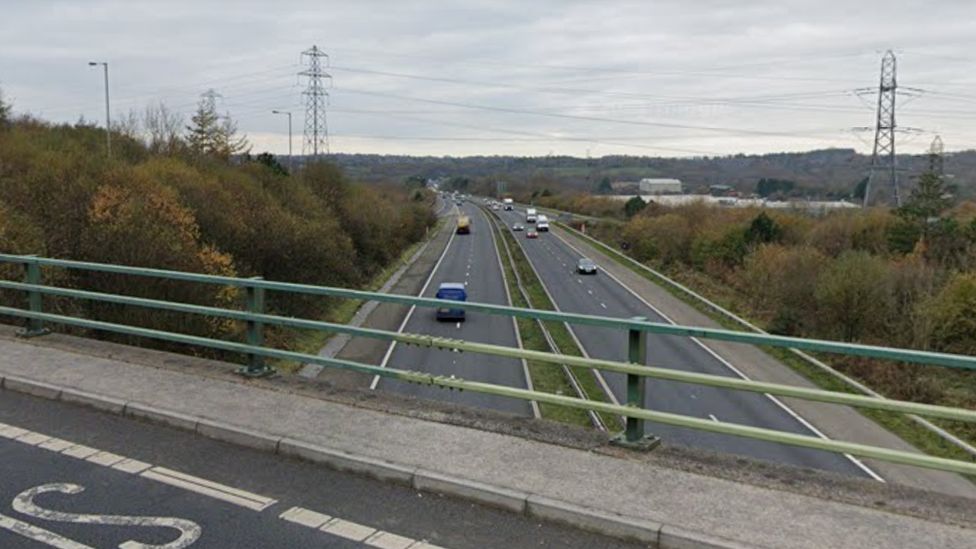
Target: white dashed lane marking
x,y
712,417
298,515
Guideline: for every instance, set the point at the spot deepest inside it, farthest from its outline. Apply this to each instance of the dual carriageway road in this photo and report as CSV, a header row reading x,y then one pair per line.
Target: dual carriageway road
x,y
474,260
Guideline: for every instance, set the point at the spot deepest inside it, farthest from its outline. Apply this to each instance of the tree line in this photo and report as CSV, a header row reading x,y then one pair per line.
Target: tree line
x,y
902,277
190,199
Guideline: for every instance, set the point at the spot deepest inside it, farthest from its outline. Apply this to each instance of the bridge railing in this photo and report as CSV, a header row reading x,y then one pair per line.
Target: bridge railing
x,y
255,317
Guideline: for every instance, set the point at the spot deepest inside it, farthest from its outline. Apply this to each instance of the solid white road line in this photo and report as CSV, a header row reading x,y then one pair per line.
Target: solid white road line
x,y
208,488
536,411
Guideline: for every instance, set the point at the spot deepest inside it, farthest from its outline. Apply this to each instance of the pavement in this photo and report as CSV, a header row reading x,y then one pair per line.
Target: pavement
x,y
599,488
554,260
836,422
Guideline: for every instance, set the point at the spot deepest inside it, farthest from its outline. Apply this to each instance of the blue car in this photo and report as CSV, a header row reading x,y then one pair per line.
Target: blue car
x,y
454,291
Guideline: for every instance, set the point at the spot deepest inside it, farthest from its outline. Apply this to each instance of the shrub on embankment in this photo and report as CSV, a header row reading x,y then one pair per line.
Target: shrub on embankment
x,y
61,197
903,278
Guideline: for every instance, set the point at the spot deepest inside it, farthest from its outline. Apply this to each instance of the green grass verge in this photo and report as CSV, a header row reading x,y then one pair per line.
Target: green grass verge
x,y
545,374
899,424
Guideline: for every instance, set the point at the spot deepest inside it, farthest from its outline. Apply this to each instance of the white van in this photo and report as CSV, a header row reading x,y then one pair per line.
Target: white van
x,y
542,223
530,215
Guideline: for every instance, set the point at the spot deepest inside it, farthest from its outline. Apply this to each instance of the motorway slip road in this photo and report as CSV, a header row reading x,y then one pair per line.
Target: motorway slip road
x,y
519,474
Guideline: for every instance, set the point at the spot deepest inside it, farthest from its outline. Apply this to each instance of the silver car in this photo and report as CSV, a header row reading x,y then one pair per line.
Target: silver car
x,y
518,227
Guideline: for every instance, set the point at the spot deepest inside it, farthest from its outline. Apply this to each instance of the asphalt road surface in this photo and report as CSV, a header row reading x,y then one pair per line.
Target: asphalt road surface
x,y
599,294
470,259
108,481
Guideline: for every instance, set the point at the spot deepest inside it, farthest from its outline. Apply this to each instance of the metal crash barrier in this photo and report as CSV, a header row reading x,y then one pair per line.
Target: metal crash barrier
x,y
255,317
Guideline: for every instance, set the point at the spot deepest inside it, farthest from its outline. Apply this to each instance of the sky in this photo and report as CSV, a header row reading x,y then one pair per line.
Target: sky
x,y
530,78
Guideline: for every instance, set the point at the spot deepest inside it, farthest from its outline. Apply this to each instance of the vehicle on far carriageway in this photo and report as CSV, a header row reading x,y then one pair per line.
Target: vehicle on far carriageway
x,y
585,265
454,291
542,223
463,224
509,204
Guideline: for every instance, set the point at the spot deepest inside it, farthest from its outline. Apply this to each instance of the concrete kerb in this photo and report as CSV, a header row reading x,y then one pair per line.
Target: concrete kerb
x,y
30,387
594,519
538,506
494,496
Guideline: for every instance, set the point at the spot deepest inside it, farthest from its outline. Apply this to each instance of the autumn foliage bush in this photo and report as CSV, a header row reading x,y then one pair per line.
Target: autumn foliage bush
x,y
879,277
60,197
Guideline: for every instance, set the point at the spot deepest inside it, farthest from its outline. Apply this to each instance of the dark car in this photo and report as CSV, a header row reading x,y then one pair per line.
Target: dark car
x,y
585,265
518,227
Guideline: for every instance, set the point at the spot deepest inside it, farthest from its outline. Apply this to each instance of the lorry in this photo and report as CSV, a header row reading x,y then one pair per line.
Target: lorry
x,y
453,291
542,223
463,224
508,204
530,215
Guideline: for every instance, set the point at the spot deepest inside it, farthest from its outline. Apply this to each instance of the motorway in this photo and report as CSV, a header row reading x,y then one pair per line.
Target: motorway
x,y
473,260
555,261
76,478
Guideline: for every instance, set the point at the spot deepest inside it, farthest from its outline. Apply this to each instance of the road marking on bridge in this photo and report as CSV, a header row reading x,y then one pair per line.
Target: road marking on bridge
x,y
352,530
215,490
24,503
111,460
305,517
39,534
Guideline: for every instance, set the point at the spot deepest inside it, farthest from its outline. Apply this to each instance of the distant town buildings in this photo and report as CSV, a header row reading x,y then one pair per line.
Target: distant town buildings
x,y
721,190
660,186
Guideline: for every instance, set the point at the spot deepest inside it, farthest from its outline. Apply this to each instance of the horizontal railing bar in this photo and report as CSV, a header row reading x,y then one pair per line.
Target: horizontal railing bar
x,y
818,395
856,349
885,454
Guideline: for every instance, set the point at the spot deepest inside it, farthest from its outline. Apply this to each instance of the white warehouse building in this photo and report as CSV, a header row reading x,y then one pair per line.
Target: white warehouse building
x,y
660,186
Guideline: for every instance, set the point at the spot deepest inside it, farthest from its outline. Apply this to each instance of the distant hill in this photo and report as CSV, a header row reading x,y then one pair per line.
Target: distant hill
x,y
827,173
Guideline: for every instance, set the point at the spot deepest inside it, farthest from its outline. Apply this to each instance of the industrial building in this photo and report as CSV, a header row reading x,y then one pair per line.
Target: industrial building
x,y
660,186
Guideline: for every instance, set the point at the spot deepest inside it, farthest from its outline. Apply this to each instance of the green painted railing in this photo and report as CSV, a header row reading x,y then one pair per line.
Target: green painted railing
x,y
256,318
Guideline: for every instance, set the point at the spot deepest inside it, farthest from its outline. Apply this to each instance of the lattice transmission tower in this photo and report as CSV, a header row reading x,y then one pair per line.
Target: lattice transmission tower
x,y
883,164
316,140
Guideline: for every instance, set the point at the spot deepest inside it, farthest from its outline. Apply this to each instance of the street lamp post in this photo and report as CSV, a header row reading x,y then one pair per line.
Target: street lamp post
x,y
290,167
108,116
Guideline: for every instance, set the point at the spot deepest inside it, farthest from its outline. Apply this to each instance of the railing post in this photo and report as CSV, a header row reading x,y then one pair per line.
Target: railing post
x,y
633,435
255,334
32,275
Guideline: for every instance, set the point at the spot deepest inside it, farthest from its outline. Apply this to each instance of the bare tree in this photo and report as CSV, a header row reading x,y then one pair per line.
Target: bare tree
x,y
128,125
163,128
4,111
